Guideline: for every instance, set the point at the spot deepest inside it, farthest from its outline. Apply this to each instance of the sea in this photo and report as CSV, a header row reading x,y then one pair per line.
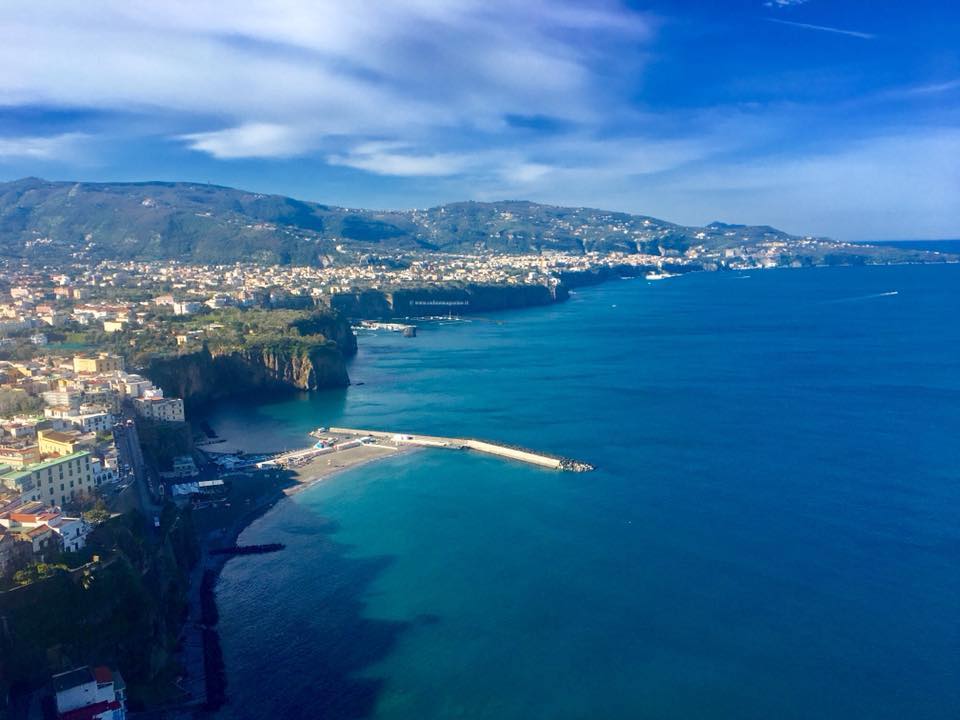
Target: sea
x,y
772,530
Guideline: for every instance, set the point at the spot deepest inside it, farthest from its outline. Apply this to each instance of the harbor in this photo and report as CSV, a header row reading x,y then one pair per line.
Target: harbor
x,y
335,440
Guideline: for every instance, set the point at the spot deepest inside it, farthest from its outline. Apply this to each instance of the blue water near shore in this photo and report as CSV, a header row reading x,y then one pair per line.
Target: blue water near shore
x,y
773,530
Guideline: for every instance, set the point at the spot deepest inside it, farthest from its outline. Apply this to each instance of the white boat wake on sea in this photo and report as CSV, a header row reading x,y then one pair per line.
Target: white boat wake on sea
x,y
858,298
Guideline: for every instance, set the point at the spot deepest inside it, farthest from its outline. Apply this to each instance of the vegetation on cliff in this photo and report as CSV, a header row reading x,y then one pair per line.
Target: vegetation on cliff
x,y
235,352
125,611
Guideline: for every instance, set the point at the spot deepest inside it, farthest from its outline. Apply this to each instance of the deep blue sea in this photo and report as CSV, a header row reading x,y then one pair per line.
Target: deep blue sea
x,y
773,530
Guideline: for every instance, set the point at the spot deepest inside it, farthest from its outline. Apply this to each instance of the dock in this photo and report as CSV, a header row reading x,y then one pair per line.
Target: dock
x,y
511,452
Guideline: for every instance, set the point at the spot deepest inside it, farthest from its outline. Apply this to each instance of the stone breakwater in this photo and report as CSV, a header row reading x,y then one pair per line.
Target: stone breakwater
x,y
511,452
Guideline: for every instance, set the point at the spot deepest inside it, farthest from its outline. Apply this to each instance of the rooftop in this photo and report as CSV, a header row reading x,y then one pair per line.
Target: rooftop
x,y
72,679
45,464
58,436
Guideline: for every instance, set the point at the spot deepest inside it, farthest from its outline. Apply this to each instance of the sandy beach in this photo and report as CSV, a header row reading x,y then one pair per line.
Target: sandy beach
x,y
324,466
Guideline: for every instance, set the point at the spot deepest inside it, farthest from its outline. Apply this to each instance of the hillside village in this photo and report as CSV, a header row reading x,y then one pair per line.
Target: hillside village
x,y
112,296
57,458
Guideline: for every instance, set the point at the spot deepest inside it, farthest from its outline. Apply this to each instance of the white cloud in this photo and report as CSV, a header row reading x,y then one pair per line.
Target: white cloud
x,y
424,88
526,173
367,68
251,140
389,158
52,147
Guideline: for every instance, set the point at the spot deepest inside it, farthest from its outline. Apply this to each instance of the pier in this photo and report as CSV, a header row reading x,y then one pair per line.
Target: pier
x,y
519,454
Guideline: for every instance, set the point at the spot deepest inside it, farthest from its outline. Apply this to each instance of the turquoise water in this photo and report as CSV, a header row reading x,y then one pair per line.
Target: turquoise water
x,y
773,530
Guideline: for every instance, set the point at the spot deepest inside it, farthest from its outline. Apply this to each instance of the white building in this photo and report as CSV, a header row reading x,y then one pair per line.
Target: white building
x,y
73,532
160,409
34,519
133,385
186,307
91,694
96,422
102,472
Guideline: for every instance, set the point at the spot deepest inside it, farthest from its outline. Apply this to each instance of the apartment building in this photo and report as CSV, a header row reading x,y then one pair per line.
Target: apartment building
x,y
56,481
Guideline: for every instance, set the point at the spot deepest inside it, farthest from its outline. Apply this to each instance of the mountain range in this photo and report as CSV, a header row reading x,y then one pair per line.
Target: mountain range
x,y
197,223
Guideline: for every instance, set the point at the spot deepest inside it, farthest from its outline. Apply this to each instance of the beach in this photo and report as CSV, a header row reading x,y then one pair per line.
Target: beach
x,y
324,466
252,493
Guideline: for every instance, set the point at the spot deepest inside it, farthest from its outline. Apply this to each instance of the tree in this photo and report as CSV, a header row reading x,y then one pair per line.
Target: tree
x,y
37,571
18,402
26,576
98,514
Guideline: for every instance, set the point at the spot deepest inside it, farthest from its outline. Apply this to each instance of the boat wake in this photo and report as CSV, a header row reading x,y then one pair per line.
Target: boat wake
x,y
858,298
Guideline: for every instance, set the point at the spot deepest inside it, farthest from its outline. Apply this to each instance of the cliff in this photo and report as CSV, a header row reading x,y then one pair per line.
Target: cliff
x,y
255,352
125,611
426,302
211,374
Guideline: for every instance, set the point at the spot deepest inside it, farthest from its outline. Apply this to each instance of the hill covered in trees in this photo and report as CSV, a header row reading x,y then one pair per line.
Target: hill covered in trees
x,y
212,224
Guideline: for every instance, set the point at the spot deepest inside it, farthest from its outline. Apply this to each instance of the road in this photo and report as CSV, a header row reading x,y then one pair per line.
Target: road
x,y
133,469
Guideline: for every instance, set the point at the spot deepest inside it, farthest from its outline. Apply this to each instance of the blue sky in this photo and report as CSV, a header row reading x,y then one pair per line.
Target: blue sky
x,y
832,117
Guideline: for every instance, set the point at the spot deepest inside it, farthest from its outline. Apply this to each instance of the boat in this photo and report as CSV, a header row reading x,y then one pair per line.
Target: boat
x,y
658,275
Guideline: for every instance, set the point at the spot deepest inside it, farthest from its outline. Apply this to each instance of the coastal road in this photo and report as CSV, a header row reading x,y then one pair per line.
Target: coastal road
x,y
131,460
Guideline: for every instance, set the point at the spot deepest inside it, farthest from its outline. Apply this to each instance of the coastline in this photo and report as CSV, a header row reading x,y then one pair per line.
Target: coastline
x,y
316,471
206,575
204,678
321,469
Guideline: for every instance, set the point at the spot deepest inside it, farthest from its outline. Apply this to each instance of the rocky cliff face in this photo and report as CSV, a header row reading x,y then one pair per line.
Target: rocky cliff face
x,y
426,302
205,376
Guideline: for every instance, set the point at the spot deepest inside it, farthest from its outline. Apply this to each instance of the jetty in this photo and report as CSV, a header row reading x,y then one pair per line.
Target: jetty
x,y
344,436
